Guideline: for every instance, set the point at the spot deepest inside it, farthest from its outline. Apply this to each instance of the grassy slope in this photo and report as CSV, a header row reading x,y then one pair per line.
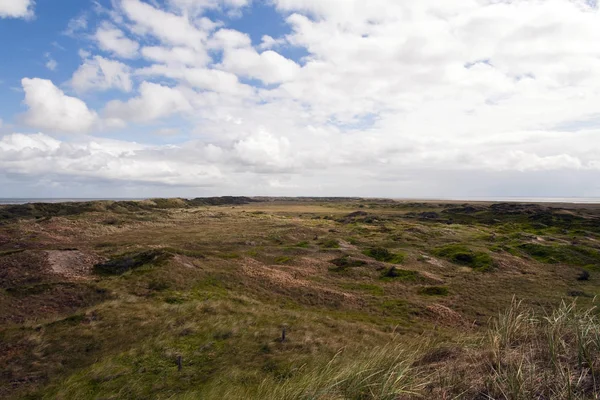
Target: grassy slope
x,y
231,278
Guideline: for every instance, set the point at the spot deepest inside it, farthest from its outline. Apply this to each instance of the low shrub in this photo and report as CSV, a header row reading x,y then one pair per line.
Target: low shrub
x,y
434,291
400,274
124,263
344,263
384,255
462,255
583,276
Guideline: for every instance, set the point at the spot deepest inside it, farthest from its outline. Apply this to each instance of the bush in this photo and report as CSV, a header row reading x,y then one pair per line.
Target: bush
x,y
462,255
583,276
434,291
384,255
122,264
401,274
345,262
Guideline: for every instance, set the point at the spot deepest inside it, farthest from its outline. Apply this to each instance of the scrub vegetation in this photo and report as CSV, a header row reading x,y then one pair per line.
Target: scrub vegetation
x,y
284,298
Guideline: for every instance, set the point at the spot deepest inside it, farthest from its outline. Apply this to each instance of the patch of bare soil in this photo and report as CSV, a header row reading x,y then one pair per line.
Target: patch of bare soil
x,y
431,277
433,261
346,246
515,265
443,315
73,265
185,261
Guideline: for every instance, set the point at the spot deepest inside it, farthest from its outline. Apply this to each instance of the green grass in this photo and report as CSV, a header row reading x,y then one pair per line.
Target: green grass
x,y
394,273
566,254
434,291
283,260
345,262
462,255
330,244
365,287
384,255
356,328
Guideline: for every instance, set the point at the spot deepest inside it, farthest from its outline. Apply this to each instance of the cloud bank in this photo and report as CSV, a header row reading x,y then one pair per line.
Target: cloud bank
x,y
386,98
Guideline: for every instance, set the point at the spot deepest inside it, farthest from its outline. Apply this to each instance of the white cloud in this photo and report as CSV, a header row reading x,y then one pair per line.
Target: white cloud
x,y
113,40
51,64
176,55
201,78
16,8
269,66
268,42
242,59
170,28
154,102
76,25
264,150
51,109
196,7
99,73
102,159
383,96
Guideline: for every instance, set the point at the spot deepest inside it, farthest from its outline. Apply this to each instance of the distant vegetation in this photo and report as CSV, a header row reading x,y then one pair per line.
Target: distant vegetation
x,y
282,298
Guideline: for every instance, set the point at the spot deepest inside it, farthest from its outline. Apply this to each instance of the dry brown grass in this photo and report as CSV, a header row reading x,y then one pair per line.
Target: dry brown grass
x,y
236,276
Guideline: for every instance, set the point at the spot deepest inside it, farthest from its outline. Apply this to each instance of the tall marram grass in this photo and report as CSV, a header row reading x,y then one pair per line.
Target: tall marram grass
x,y
523,354
545,356
385,373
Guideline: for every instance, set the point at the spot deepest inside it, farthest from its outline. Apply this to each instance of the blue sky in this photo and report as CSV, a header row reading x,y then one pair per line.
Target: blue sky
x,y
46,37
392,98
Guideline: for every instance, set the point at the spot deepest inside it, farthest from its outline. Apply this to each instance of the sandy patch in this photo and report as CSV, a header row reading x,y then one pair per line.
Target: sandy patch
x,y
433,261
71,264
445,316
431,277
346,246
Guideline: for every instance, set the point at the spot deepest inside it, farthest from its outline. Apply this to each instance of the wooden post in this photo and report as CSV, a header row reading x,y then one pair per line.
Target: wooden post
x,y
179,365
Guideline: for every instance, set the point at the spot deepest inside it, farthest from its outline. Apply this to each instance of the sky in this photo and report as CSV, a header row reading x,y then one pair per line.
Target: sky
x,y
378,98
